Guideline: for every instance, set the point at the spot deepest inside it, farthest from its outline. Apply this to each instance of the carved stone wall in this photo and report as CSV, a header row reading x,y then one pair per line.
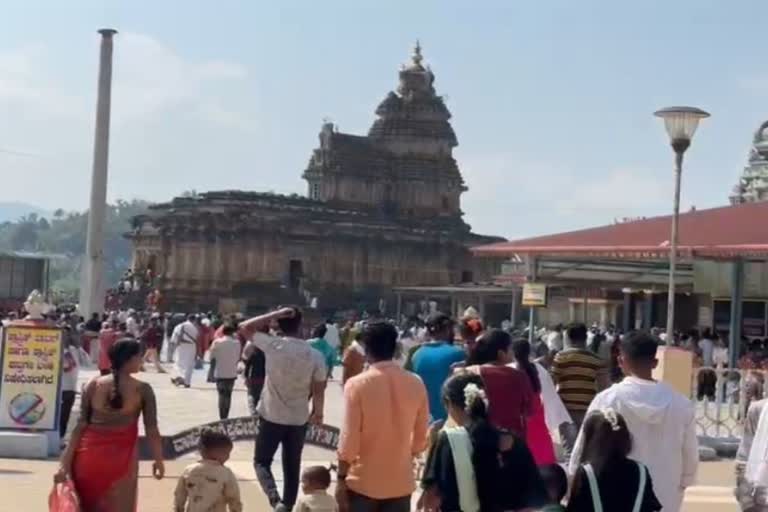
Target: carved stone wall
x,y
196,268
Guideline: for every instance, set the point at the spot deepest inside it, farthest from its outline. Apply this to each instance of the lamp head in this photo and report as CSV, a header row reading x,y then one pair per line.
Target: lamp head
x,y
681,124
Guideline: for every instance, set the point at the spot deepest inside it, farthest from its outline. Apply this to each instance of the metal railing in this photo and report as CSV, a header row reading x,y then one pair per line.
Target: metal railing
x,y
722,396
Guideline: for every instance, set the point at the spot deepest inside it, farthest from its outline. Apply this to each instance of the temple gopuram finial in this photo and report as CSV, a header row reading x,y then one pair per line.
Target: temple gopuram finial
x,y
417,57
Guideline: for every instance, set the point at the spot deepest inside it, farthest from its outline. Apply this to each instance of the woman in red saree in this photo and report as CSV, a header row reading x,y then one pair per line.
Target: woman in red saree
x,y
101,457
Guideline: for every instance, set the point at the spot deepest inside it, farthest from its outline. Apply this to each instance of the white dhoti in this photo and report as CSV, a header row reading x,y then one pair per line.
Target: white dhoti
x,y
185,361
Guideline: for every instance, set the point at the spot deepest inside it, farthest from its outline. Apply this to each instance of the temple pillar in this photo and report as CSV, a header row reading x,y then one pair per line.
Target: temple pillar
x,y
627,310
513,306
604,314
648,310
737,292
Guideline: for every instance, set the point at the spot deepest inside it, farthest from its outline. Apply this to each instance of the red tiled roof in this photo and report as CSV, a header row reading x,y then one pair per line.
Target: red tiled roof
x,y
729,231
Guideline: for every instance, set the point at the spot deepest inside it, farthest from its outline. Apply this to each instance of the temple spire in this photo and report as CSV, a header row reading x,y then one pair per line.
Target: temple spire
x,y
417,57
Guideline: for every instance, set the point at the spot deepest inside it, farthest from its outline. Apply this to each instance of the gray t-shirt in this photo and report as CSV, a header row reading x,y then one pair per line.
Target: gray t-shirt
x,y
291,366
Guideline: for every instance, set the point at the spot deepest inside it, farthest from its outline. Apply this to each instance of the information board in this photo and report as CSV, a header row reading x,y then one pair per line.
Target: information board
x,y
30,365
534,295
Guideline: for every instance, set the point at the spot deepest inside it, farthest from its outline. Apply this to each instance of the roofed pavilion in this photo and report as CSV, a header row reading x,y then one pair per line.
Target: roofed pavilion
x,y
722,252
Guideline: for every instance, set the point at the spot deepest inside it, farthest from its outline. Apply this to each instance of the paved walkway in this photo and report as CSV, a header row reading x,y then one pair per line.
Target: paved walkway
x,y
24,485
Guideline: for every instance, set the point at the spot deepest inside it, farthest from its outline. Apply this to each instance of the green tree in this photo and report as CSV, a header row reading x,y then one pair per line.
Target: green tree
x,y
65,235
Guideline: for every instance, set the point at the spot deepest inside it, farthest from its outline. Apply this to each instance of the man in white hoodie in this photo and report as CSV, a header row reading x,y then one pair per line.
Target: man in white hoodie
x,y
660,419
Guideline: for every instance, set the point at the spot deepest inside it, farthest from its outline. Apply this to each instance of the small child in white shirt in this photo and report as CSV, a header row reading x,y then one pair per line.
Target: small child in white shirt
x,y
315,481
208,485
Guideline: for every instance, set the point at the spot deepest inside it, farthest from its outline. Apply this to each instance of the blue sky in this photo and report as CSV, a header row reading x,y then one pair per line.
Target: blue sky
x,y
552,100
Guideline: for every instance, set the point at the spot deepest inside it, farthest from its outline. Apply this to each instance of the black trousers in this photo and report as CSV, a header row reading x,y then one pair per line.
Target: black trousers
x,y
254,394
224,387
360,503
67,401
270,436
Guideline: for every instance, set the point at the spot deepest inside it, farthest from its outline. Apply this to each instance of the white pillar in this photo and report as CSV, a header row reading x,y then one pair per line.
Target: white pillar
x,y
92,288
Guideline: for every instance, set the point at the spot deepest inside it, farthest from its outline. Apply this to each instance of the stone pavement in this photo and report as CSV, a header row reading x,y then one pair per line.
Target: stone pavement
x,y
24,485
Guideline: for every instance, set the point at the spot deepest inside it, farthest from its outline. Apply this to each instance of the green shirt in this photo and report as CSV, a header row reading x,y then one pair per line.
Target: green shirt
x,y
329,354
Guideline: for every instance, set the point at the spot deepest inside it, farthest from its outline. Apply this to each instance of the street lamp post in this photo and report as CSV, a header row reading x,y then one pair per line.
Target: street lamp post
x,y
681,124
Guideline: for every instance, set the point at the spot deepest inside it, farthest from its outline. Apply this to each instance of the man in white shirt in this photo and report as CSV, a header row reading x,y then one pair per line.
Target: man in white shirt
x,y
295,372
707,378
660,419
132,325
185,338
555,339
226,352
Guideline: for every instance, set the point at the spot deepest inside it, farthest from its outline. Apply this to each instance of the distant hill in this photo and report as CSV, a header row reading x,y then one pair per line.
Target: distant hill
x,y
11,211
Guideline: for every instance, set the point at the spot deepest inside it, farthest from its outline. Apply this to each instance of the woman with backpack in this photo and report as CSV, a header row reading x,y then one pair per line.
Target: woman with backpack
x,y
607,478
473,466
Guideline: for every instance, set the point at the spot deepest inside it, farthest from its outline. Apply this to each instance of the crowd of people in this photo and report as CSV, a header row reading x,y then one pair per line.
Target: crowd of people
x,y
565,423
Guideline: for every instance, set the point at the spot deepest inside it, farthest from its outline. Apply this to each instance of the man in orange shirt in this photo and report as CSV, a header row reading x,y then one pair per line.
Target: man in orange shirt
x,y
384,428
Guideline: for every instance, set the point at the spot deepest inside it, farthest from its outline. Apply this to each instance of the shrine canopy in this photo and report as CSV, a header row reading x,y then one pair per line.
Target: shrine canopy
x,y
725,233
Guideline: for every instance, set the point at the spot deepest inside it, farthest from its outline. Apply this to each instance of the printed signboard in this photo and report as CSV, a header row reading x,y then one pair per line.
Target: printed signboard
x,y
30,362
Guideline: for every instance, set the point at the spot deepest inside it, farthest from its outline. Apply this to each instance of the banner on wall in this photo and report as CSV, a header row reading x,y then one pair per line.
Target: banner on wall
x,y
30,367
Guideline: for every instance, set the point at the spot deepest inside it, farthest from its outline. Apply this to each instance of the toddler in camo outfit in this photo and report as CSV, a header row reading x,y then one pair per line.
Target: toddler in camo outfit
x,y
208,485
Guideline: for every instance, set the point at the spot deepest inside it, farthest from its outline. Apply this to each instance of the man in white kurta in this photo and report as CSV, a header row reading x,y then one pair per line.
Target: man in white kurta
x,y
752,495
185,338
660,419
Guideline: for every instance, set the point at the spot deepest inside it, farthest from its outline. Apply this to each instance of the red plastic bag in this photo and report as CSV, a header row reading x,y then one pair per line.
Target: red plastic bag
x,y
63,498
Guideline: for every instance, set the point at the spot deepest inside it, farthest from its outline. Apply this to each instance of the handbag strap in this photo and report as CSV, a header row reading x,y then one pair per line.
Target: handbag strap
x,y
594,490
640,488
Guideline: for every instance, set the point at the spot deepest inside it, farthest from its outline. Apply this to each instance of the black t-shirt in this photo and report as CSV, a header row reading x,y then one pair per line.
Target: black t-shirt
x,y
93,325
618,484
255,365
510,481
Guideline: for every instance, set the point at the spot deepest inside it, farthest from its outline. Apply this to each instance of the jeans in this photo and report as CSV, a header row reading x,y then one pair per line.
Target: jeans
x,y
224,387
254,394
67,401
291,437
360,503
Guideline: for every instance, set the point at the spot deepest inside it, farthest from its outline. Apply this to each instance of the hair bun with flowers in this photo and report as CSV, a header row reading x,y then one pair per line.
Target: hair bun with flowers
x,y
612,417
473,392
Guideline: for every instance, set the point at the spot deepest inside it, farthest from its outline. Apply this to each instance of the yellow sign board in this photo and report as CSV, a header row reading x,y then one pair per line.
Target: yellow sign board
x,y
30,366
534,295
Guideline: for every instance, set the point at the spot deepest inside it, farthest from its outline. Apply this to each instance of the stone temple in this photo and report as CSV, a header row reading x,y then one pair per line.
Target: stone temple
x,y
382,210
753,184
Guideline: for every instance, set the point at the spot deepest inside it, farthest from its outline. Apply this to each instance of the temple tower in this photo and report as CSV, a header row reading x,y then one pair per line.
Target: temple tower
x,y
404,167
753,184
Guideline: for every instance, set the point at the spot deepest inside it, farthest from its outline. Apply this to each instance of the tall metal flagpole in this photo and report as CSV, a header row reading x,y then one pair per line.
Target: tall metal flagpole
x,y
92,288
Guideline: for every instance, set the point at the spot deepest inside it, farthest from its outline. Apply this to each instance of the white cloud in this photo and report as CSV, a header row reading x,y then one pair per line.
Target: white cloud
x,y
150,77
24,83
162,102
514,197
